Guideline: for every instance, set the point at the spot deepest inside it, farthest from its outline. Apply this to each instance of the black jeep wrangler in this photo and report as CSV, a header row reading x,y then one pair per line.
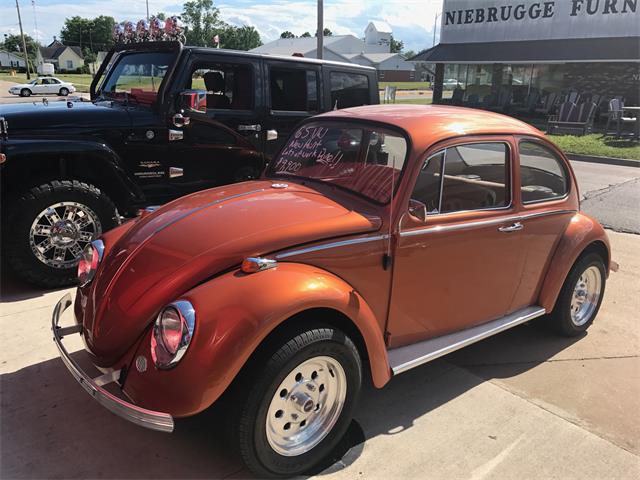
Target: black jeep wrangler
x,y
164,120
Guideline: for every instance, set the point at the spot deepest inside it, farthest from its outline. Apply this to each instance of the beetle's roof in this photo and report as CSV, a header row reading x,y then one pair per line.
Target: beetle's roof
x,y
428,124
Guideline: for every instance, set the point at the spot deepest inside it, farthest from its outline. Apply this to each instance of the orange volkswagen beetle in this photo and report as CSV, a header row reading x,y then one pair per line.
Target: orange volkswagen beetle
x,y
378,239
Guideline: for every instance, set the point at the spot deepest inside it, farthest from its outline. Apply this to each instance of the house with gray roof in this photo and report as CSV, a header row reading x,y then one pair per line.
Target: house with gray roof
x,y
63,57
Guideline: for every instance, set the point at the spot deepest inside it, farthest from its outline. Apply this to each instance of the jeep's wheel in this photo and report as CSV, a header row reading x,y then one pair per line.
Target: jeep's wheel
x,y
580,297
64,92
49,226
299,406
25,92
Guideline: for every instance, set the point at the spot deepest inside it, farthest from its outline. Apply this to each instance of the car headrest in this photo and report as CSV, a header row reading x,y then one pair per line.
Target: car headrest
x,y
214,81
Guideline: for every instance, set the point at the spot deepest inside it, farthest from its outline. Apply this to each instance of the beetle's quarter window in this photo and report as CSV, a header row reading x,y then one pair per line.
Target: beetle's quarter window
x,y
367,161
349,90
542,176
229,86
293,90
465,177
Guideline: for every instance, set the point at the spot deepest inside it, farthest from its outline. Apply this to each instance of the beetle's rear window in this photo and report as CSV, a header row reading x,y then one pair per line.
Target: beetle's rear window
x,y
365,160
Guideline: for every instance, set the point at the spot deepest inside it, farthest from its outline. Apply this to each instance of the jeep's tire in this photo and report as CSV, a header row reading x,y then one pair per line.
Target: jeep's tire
x,y
25,92
580,297
48,226
295,409
64,92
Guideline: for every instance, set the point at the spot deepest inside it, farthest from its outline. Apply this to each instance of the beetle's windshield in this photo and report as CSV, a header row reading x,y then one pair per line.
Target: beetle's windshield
x,y
137,76
363,159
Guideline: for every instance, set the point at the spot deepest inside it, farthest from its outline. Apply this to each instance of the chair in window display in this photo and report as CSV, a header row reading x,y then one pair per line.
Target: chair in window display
x,y
549,104
565,110
617,118
579,120
528,106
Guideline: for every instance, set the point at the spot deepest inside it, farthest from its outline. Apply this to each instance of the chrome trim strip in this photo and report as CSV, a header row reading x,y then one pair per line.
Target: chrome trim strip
x,y
140,416
481,223
405,358
326,246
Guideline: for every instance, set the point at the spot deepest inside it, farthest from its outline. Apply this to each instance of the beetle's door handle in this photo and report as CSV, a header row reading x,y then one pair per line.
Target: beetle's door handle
x,y
511,228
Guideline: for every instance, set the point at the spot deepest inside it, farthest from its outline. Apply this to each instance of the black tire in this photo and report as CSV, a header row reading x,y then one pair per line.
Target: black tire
x,y
560,318
64,92
260,386
25,92
22,212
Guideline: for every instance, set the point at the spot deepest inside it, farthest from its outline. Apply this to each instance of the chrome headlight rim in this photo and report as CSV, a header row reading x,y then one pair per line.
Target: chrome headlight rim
x,y
162,357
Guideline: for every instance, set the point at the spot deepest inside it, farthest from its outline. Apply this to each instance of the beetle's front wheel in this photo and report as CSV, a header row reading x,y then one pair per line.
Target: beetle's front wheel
x,y
299,406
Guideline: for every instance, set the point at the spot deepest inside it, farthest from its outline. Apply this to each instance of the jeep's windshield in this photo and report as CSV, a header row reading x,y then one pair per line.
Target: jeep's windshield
x,y
363,159
137,76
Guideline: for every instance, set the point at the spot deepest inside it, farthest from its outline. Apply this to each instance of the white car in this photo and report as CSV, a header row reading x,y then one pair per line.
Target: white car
x,y
43,86
450,84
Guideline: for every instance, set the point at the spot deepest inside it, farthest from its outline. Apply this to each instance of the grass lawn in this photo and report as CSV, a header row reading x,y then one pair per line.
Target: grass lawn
x,y
406,85
80,81
415,101
598,145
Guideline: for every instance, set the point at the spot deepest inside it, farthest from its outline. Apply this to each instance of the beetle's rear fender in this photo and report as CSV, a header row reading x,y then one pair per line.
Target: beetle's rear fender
x,y
582,232
234,314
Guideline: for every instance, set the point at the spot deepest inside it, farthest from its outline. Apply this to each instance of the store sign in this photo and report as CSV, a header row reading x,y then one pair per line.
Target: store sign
x,y
503,20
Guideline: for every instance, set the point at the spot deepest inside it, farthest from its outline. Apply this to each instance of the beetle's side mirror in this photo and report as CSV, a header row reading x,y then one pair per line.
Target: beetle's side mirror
x,y
193,101
418,210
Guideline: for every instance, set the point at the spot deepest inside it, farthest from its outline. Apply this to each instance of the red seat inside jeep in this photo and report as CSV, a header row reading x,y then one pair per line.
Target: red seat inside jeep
x,y
144,96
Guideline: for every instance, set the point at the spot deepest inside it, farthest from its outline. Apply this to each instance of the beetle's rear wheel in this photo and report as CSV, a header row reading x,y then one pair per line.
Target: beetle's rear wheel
x,y
296,409
580,297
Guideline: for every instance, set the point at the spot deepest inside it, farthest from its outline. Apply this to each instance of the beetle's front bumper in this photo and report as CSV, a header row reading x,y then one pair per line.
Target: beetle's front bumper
x,y
140,416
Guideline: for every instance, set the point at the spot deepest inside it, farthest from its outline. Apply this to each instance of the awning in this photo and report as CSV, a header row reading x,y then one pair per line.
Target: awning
x,y
619,49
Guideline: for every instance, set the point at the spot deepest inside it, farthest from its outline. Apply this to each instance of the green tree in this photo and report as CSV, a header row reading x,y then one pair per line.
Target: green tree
x,y
13,43
238,38
325,33
305,35
408,54
287,34
160,16
202,20
395,46
93,34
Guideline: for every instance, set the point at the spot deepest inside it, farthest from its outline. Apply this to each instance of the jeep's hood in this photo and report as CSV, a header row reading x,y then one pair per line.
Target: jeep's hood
x,y
194,238
26,118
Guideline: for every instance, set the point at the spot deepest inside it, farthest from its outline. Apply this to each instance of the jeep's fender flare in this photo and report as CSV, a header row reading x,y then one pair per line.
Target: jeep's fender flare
x,y
21,151
235,313
581,232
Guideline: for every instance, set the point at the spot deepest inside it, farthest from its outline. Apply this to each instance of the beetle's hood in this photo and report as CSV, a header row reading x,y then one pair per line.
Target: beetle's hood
x,y
27,118
194,238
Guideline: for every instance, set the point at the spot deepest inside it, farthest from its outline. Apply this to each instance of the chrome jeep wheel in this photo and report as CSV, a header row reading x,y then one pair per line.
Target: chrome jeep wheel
x,y
586,295
60,232
306,406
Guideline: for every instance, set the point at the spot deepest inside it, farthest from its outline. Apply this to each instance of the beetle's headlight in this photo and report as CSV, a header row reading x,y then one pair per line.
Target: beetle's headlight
x,y
91,256
172,333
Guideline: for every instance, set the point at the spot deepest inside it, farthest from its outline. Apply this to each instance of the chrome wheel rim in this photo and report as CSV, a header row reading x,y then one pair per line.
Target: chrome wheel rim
x,y
61,231
586,294
306,406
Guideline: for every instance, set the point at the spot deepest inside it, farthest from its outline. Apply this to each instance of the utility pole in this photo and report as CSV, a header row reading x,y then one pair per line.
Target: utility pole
x,y
147,10
320,34
24,43
435,28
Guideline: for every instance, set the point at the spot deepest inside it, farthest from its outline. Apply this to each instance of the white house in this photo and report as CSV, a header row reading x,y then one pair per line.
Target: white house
x,y
372,50
63,57
10,60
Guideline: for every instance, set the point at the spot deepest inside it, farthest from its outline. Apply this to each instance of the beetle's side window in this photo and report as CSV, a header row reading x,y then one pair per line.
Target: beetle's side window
x,y
465,177
542,176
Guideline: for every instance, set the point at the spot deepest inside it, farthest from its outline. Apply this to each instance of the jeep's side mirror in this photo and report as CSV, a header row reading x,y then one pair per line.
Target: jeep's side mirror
x,y
418,210
193,101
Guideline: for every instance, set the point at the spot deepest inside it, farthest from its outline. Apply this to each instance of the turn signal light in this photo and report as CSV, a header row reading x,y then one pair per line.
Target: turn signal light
x,y
3,158
257,264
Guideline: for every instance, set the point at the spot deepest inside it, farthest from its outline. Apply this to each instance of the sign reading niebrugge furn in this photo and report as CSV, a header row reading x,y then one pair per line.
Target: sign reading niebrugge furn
x,y
511,20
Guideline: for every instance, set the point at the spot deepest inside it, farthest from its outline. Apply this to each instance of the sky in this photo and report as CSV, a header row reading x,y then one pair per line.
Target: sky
x,y
412,21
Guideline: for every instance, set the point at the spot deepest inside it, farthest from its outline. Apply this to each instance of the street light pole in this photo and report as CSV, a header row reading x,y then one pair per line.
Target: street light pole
x,y
435,28
24,43
320,32
147,10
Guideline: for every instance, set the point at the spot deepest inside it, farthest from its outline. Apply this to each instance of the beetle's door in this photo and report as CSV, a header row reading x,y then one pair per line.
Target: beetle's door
x,y
458,257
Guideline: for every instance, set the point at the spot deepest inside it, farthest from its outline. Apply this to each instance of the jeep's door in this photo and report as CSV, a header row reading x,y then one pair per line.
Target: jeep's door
x,y
459,251
293,94
225,144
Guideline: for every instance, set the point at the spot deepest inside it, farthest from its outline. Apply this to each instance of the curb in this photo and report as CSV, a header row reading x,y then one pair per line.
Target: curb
x,y
623,162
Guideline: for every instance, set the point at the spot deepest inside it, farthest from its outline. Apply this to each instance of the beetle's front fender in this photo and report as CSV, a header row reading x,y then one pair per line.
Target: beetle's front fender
x,y
581,232
235,312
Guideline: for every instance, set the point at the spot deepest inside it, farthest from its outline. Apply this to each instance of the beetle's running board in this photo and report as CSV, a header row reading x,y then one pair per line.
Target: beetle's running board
x,y
405,358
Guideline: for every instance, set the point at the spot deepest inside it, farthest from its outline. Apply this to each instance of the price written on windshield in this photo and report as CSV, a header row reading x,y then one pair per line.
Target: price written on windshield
x,y
306,148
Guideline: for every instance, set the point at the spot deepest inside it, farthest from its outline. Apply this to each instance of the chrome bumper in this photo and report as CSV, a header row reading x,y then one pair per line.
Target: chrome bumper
x,y
140,416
